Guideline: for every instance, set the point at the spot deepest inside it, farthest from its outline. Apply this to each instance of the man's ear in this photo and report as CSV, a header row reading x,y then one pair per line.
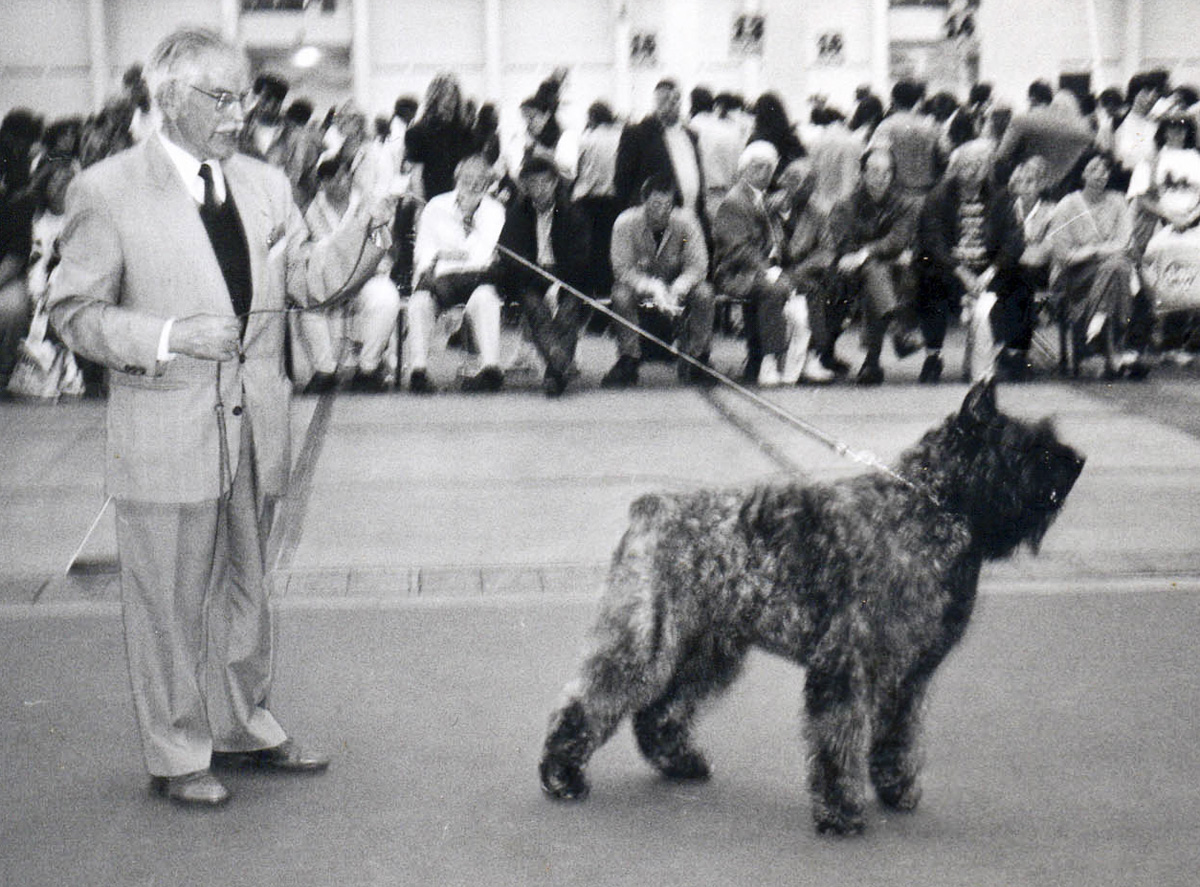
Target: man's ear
x,y
170,97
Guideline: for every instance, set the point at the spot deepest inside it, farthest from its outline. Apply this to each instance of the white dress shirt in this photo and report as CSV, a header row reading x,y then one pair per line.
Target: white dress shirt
x,y
442,228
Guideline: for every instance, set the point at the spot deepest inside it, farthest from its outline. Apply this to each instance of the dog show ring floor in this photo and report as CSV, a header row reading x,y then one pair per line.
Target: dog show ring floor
x,y
435,568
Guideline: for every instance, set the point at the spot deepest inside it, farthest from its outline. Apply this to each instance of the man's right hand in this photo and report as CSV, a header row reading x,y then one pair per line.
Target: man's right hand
x,y
206,336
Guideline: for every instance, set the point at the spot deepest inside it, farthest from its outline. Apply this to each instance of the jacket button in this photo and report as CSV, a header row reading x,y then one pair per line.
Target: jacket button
x,y
237,411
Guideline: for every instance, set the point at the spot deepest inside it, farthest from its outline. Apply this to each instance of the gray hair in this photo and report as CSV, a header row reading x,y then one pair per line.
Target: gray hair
x,y
179,56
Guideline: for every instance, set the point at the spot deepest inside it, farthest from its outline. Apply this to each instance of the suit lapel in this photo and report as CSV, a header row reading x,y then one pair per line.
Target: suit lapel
x,y
175,225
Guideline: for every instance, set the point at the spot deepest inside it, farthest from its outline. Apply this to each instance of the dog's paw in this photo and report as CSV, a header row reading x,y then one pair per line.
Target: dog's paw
x,y
840,823
903,798
690,766
563,782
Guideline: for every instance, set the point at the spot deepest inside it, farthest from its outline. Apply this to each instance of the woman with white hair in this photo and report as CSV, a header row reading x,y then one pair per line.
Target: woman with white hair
x,y
969,246
748,249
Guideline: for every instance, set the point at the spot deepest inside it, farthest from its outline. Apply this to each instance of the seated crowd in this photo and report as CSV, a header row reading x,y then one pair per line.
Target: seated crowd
x,y
902,221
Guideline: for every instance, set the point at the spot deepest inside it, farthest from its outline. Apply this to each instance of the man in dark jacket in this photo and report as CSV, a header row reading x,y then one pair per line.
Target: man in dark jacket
x,y
660,145
542,226
870,232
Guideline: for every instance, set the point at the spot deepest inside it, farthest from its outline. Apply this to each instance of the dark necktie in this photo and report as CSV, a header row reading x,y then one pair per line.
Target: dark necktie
x,y
210,192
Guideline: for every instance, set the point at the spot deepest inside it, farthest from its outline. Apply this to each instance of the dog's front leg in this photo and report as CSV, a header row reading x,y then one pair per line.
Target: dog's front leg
x,y
836,706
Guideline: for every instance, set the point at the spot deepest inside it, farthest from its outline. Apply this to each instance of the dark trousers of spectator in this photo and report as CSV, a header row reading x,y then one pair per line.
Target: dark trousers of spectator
x,y
404,235
766,328
601,214
884,292
16,309
696,329
1014,318
938,298
553,331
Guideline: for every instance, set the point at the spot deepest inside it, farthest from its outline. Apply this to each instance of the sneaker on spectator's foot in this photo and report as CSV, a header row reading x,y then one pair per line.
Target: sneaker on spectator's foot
x,y
870,374
488,379
623,374
931,370
768,373
420,383
815,373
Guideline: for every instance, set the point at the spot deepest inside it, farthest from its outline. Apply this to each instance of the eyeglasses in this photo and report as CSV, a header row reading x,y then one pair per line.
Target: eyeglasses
x,y
226,100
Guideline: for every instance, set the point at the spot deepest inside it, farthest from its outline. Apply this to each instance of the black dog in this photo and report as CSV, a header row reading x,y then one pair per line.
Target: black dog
x,y
867,582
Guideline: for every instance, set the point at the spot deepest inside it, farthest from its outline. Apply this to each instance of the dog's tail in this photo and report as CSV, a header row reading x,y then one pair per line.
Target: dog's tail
x,y
636,607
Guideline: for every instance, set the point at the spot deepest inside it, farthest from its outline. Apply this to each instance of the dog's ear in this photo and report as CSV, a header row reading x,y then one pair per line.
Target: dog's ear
x,y
980,403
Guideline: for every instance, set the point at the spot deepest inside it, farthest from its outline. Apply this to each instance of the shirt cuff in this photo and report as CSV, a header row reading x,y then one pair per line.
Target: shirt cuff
x,y
164,342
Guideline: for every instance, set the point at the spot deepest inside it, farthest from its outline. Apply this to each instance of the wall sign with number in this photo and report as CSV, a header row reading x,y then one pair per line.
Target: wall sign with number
x,y
831,47
643,50
748,34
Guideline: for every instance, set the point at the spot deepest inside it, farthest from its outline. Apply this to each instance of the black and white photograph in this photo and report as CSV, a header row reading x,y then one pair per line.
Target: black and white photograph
x,y
535,443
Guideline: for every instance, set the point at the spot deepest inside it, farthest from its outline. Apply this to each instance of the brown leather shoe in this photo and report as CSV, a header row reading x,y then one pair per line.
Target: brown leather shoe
x,y
198,789
286,757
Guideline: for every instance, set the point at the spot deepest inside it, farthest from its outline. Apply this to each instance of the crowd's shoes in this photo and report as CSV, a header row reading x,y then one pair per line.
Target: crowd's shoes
x,y
814,373
198,789
931,370
869,374
488,380
554,383
375,382
906,342
420,383
1013,366
623,374
321,383
834,364
1131,365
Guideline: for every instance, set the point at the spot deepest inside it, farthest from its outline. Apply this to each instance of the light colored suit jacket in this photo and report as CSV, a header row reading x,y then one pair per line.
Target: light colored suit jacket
x,y
134,253
635,255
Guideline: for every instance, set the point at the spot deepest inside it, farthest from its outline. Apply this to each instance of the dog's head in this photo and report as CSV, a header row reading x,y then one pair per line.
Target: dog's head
x,y
1008,477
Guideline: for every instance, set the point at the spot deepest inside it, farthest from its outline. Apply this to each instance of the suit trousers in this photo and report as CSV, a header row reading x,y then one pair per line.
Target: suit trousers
x,y
554,331
198,624
695,334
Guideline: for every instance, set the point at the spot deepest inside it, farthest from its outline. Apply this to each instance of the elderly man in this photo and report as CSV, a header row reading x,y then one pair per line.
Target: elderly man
x,y
454,264
544,228
658,257
749,256
178,260
870,232
808,261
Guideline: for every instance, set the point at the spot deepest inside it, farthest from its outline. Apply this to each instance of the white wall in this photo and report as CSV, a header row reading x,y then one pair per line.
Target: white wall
x,y
45,56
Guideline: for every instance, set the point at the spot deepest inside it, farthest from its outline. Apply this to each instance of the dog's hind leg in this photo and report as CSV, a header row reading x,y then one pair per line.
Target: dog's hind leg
x,y
895,751
836,705
634,648
663,728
